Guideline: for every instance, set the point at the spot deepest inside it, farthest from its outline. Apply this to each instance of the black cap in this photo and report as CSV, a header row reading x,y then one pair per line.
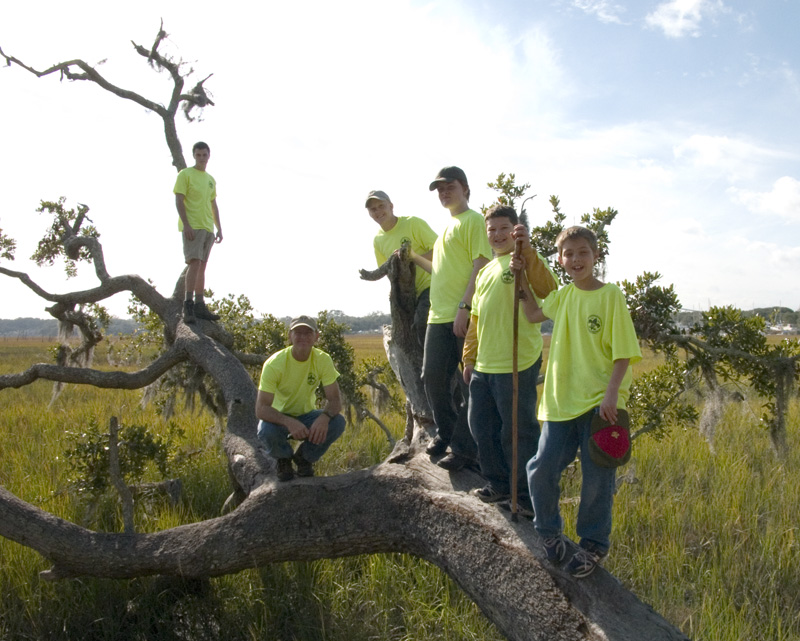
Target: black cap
x,y
448,175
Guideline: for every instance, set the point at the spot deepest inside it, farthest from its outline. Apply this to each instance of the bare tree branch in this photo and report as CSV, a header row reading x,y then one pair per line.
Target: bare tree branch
x,y
78,69
97,378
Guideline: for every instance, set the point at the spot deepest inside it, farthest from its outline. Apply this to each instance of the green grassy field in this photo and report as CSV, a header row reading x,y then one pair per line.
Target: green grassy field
x,y
709,540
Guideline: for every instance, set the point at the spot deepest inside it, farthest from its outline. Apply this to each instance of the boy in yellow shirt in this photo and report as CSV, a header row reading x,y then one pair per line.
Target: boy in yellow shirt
x,y
196,201
588,373
488,359
395,230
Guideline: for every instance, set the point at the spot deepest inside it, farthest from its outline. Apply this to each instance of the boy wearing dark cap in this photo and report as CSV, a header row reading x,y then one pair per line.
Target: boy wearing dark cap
x,y
286,402
395,230
458,255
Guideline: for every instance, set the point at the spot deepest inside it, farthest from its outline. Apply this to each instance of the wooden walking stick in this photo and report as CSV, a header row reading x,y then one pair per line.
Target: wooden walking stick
x,y
515,384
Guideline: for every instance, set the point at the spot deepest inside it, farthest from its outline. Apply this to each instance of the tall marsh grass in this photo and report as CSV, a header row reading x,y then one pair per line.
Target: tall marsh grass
x,y
709,540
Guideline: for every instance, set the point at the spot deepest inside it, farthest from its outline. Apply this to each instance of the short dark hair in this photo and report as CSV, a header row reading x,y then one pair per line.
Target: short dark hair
x,y
200,145
502,211
577,232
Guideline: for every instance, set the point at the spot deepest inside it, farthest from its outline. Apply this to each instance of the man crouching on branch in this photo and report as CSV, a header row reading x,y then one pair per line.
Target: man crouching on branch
x,y
286,403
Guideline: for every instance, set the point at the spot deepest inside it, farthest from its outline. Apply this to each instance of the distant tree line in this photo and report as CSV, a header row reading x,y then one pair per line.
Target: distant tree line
x,y
372,322
22,327
772,315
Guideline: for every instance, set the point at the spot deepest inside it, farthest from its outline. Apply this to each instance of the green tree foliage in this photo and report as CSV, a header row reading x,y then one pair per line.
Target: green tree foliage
x,y
88,456
66,223
265,335
332,341
7,246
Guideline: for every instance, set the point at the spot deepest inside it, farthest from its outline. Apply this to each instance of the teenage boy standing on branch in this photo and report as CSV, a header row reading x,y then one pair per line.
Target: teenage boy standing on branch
x,y
489,357
458,255
196,201
588,373
394,232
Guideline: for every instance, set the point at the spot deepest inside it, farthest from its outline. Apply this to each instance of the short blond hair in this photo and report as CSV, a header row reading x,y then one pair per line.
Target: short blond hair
x,y
576,231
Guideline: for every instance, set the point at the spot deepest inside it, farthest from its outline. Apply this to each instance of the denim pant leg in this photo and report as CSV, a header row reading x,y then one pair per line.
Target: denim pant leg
x,y
486,424
420,323
597,493
439,365
276,439
557,447
527,425
312,452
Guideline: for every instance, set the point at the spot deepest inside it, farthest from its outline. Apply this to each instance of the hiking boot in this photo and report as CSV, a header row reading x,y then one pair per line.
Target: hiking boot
x,y
436,447
453,462
304,468
188,312
584,562
285,469
488,494
555,548
201,311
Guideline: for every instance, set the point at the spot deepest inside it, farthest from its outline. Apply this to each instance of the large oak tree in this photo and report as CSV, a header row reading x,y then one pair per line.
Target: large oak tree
x,y
404,504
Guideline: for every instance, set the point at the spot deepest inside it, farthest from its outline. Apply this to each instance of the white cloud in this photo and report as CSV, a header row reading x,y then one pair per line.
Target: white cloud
x,y
605,11
734,158
679,18
782,200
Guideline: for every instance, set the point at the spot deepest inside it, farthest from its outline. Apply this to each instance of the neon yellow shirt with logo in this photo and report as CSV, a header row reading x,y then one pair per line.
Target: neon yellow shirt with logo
x,y
294,383
463,240
198,188
418,233
591,330
493,305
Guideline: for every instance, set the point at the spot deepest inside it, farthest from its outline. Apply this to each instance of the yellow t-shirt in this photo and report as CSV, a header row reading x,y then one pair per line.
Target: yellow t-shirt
x,y
418,233
493,305
294,383
463,240
198,188
591,330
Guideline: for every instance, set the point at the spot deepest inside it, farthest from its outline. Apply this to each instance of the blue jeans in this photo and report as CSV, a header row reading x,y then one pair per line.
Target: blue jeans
x,y
491,422
449,406
558,445
276,437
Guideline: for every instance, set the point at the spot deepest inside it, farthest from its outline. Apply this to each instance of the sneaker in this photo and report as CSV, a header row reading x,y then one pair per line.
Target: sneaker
x,y
188,312
285,469
437,446
584,562
201,311
453,462
523,507
488,494
555,548
304,468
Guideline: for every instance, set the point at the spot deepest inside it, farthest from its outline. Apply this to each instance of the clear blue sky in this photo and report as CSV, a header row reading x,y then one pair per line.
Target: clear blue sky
x,y
681,114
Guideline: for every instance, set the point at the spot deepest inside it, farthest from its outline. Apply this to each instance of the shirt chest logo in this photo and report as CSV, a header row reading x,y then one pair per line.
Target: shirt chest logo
x,y
311,379
594,324
507,276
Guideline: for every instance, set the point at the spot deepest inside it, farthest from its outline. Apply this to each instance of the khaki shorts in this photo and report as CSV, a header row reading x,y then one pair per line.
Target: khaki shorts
x,y
200,247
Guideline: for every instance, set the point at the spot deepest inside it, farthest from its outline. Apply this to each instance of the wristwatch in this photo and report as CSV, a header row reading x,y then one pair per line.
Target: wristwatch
x,y
463,305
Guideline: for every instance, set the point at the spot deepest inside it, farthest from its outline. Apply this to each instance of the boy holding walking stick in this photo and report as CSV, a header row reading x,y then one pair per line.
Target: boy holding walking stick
x,y
488,358
588,378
